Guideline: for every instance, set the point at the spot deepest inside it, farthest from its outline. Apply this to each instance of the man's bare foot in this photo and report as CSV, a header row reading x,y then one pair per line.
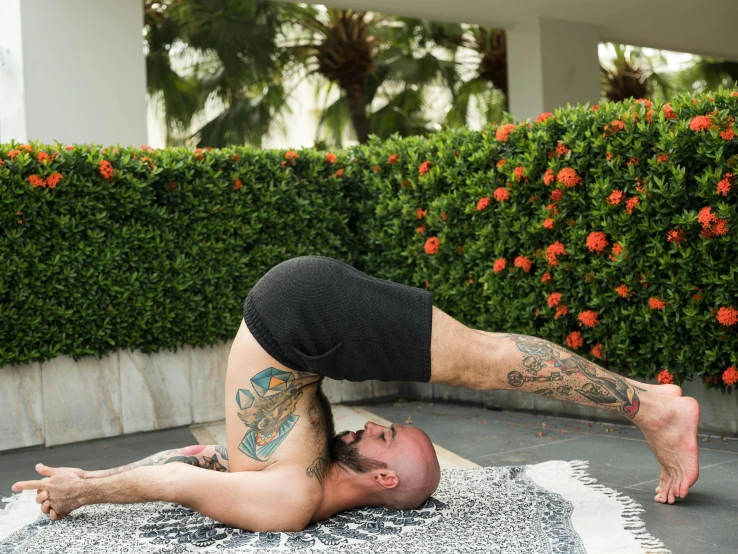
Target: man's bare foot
x,y
670,426
674,391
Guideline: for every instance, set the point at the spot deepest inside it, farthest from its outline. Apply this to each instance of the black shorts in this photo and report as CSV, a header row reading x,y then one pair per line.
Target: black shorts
x,y
317,314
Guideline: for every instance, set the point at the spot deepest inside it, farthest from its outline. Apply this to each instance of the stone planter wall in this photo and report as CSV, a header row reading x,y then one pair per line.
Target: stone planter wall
x,y
62,401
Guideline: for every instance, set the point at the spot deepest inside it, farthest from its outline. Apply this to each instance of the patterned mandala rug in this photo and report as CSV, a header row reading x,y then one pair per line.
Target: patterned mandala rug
x,y
549,508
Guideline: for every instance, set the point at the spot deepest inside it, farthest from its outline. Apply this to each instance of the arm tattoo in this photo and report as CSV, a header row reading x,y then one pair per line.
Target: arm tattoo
x,y
317,469
545,362
270,414
202,456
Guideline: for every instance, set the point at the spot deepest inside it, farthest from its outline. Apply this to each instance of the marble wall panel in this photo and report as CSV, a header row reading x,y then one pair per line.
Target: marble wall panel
x,y
209,368
21,399
156,389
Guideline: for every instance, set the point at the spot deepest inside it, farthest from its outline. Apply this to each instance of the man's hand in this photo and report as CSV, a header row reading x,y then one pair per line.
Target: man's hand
x,y
60,492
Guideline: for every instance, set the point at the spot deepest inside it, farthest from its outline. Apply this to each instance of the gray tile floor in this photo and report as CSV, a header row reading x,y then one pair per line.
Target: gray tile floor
x,y
706,522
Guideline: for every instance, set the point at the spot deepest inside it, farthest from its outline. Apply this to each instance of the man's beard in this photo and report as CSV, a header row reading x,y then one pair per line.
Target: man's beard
x,y
348,455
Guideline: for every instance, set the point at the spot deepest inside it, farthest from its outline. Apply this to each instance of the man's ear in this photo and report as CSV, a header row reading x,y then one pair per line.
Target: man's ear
x,y
385,478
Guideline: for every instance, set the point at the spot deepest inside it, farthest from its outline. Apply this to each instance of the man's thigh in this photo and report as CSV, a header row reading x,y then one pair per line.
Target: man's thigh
x,y
264,405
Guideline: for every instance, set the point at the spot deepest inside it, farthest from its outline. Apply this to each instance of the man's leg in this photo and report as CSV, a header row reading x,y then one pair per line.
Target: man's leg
x,y
465,357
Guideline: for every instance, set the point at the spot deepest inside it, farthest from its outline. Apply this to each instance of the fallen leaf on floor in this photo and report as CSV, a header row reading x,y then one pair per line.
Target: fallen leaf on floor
x,y
706,439
540,434
564,431
484,421
723,439
409,421
608,430
544,424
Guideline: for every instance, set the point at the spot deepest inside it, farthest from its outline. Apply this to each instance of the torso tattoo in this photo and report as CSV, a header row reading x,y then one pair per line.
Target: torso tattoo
x,y
544,364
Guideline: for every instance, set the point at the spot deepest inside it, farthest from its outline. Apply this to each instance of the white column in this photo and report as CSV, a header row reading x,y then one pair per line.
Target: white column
x,y
551,63
72,71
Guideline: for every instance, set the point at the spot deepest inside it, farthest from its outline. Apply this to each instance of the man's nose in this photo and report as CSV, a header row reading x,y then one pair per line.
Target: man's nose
x,y
371,427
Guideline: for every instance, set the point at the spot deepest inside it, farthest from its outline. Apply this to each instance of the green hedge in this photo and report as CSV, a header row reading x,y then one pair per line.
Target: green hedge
x,y
163,253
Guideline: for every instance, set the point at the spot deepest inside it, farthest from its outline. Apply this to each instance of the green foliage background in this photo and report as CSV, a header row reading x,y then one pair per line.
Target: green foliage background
x,y
164,253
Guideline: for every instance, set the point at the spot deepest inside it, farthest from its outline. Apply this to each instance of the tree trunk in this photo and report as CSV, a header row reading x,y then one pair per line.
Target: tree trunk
x,y
357,109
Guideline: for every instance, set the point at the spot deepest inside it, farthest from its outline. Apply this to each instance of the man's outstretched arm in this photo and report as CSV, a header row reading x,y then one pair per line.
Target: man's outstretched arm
x,y
270,500
213,456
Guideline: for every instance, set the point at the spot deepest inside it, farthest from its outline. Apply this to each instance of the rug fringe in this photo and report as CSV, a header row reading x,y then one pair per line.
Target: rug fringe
x,y
632,521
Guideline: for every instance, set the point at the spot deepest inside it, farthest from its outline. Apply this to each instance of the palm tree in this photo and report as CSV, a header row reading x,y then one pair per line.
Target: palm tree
x,y
707,74
631,73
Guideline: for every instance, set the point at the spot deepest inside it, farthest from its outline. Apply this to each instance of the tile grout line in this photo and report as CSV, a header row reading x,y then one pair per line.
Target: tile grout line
x,y
706,467
529,447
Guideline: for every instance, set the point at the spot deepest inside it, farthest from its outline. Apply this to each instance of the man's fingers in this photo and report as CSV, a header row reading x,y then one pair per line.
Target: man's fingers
x,y
29,485
46,470
46,507
41,496
53,515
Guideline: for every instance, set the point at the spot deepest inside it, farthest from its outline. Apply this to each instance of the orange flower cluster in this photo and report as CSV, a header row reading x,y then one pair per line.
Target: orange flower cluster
x,y
420,214
37,181
561,149
574,340
392,159
503,132
543,117
723,186
730,376
548,223
597,241
568,177
623,290
589,318
616,250
597,351
665,378
377,168
338,172
291,155
615,197
727,134
53,179
656,304
519,173
420,229
557,194
523,263
106,169
546,277
424,168
631,203
727,316
613,127
43,157
675,235
548,177
662,158
483,203
330,158
555,249
701,123
500,163
499,265
711,224
238,184
13,153
432,245
501,194
553,299
669,112
561,310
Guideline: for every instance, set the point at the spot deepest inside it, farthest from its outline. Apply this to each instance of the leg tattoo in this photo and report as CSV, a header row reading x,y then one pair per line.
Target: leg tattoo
x,y
545,362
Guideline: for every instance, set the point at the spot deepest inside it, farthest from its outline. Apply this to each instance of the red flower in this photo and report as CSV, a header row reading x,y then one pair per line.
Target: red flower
x,y
392,159
377,168
519,173
523,263
700,123
557,194
69,147
499,164
106,169
734,93
37,181
546,277
631,203
13,153
669,112
420,229
553,299
198,153
614,127
482,203
597,241
561,149
235,157
595,107
665,378
656,304
623,290
727,316
420,214
597,351
649,116
589,318
555,249
339,172
431,245
548,223
675,235
561,310
574,340
424,168
53,179
645,102
499,265
443,215
330,158
568,177
43,157
662,158
238,184
706,217
727,134
616,250
501,194
615,197
543,117
730,376
609,156
548,177
504,131
291,155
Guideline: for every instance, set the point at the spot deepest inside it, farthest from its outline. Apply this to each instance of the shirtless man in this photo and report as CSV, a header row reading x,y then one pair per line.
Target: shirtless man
x,y
312,317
